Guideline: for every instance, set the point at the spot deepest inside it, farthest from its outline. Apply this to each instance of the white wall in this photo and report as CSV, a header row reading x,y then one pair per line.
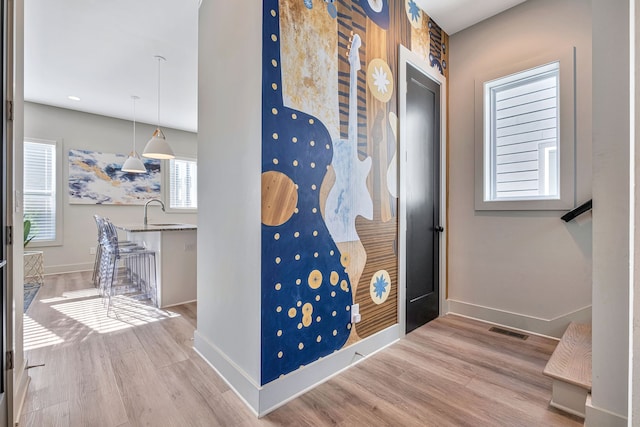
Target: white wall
x,y
611,180
527,269
230,143
634,315
17,386
99,133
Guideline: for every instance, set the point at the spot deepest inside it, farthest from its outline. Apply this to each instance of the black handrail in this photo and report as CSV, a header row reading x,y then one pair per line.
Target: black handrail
x,y
578,211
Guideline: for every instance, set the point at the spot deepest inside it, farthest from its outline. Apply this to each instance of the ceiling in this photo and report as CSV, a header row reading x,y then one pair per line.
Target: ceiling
x,y
456,15
103,52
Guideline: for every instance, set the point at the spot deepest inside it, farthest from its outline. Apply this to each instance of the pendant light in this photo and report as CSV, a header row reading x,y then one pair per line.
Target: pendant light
x,y
157,147
134,164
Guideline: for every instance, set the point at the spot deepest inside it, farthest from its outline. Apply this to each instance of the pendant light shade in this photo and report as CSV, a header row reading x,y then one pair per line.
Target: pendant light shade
x,y
134,164
158,147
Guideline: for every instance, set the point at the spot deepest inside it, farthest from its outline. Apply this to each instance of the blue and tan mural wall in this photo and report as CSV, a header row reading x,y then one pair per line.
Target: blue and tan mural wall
x,y
329,170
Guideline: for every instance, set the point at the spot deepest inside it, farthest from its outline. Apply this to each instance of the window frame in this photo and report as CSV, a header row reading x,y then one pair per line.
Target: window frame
x,y
166,186
58,241
566,137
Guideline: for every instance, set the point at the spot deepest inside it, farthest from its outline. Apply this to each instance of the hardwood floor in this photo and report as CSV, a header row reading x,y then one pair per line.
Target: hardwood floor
x,y
138,368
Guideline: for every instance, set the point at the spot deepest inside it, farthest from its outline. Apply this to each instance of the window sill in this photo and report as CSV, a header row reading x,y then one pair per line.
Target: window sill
x,y
180,211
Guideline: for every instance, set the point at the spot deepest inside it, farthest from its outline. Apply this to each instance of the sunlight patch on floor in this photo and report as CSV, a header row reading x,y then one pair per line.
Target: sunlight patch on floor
x,y
37,336
69,295
125,313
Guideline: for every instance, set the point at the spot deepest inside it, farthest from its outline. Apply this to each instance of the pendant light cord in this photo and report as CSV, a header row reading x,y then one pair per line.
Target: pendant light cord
x,y
134,124
160,58
158,131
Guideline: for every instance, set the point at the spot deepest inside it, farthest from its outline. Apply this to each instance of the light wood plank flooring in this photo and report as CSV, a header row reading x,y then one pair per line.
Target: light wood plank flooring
x,y
138,368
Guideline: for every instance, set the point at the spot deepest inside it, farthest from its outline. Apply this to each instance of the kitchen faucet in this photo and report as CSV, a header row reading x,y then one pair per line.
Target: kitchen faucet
x,y
147,205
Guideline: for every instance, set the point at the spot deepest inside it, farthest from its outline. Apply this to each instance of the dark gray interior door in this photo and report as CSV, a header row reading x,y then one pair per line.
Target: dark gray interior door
x,y
422,197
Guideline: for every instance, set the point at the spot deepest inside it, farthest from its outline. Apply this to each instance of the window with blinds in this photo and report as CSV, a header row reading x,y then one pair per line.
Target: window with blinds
x,y
39,201
183,184
521,135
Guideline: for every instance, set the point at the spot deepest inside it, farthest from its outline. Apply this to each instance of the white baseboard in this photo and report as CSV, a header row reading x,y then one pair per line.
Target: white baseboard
x,y
598,417
279,392
568,397
235,377
68,268
264,399
20,392
546,327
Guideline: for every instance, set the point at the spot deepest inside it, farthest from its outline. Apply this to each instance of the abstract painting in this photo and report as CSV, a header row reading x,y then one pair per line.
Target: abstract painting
x,y
96,178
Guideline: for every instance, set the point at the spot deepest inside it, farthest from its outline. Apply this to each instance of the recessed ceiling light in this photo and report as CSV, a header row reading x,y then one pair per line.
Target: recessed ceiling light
x,y
73,98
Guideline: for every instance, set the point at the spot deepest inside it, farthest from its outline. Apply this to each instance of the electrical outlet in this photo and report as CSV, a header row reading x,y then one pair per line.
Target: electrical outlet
x,y
92,250
355,313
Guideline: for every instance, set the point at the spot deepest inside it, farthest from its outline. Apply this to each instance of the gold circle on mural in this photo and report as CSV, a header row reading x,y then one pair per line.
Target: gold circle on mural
x,y
380,286
307,309
380,80
345,259
334,278
315,279
279,198
344,286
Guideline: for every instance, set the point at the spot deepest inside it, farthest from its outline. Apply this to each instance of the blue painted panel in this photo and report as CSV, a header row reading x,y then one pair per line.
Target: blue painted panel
x,y
291,336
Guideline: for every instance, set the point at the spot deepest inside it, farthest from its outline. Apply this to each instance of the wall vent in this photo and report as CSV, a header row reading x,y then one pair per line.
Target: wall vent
x,y
509,333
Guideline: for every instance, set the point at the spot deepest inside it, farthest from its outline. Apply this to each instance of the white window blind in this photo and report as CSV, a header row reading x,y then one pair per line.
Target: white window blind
x,y
40,189
522,128
183,184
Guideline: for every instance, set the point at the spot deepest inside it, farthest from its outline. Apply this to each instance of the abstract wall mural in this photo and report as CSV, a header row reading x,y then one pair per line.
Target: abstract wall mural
x,y
329,181
97,178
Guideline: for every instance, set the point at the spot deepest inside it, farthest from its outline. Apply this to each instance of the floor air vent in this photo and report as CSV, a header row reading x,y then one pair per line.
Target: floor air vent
x,y
509,333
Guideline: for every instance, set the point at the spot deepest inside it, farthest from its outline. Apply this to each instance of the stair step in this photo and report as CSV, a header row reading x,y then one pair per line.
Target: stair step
x,y
571,360
570,368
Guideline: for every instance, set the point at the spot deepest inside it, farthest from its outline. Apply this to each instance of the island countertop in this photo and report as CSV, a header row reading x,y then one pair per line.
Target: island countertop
x,y
175,247
136,228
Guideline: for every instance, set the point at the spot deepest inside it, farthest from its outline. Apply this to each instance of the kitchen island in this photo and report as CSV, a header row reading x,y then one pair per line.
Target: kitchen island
x,y
175,246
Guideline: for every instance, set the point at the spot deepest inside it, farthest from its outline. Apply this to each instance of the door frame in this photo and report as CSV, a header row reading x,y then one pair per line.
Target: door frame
x,y
408,57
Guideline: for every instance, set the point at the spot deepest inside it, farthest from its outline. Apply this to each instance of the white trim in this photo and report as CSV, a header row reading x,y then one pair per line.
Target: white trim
x,y
553,327
598,417
236,378
22,380
511,328
568,397
67,268
264,399
566,140
279,392
633,410
408,57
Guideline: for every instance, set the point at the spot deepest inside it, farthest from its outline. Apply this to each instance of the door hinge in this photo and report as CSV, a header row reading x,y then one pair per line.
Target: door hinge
x,y
9,233
10,111
9,360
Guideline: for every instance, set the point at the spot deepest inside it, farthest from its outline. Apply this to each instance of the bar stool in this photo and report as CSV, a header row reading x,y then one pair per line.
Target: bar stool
x,y
100,221
125,269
